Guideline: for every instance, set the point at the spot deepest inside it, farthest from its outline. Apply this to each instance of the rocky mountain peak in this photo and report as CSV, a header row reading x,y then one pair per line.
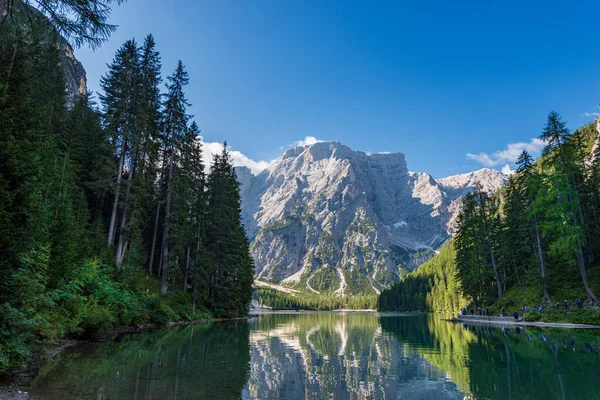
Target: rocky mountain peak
x,y
324,218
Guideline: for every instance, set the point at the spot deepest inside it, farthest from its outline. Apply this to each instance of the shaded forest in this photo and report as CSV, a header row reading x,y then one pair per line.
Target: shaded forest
x,y
107,214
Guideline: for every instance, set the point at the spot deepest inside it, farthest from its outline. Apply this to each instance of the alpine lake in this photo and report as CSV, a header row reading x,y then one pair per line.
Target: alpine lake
x,y
328,355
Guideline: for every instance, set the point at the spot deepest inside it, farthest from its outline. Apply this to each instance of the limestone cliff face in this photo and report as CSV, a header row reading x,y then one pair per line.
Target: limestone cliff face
x,y
327,219
75,77
24,15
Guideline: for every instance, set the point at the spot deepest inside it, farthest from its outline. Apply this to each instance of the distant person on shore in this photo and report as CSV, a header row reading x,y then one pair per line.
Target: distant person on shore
x,y
503,312
539,308
516,315
579,303
487,311
480,311
557,305
566,305
472,312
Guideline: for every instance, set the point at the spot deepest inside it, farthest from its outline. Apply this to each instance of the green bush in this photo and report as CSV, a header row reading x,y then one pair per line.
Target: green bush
x,y
161,313
532,316
97,318
591,317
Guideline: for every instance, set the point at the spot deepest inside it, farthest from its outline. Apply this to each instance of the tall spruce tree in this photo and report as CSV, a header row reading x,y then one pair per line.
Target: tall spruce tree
x,y
121,98
175,127
566,217
228,248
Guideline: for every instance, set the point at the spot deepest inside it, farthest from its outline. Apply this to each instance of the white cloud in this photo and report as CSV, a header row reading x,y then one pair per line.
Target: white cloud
x,y
508,155
238,158
307,141
506,170
590,114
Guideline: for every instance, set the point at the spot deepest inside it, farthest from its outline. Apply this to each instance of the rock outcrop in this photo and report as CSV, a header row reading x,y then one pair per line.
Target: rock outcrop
x,y
25,16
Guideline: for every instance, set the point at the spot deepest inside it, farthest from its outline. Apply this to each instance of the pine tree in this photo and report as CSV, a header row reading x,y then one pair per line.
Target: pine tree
x,y
232,267
566,216
80,21
121,101
149,195
175,127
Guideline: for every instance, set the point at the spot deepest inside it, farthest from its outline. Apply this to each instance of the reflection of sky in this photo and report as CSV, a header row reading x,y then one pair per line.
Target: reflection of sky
x,y
325,361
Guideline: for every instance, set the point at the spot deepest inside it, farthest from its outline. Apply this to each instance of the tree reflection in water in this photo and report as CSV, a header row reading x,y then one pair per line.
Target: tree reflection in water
x,y
330,355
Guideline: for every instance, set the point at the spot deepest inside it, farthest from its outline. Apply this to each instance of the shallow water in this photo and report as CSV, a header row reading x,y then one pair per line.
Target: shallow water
x,y
329,355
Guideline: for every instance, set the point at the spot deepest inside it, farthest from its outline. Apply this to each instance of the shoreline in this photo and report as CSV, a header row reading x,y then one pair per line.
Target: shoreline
x,y
304,311
10,380
500,323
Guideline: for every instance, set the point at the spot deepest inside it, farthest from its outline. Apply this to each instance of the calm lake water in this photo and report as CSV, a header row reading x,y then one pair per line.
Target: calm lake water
x,y
329,356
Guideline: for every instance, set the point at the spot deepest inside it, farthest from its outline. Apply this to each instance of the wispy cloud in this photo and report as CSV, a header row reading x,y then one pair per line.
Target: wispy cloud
x,y
307,141
591,114
238,158
508,155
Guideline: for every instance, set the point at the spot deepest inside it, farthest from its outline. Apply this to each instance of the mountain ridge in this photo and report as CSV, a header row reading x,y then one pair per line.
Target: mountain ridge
x,y
327,219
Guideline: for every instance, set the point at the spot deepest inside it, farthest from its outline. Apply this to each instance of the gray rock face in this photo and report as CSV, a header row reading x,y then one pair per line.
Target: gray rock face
x,y
324,218
75,77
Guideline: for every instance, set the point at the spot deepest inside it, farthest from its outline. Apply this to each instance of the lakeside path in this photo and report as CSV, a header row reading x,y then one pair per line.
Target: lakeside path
x,y
499,321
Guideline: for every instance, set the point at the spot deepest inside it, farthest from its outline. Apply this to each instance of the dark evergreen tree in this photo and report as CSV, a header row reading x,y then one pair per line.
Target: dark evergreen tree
x,y
83,22
232,267
175,127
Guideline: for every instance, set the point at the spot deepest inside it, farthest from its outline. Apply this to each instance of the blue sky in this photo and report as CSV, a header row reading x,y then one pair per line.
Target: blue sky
x,y
434,80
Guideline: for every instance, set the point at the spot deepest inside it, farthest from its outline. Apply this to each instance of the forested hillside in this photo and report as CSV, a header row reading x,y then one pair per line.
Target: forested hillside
x,y
107,217
432,287
536,241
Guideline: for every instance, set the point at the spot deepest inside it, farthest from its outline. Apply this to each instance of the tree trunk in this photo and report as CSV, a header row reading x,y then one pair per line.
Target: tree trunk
x,y
12,61
490,245
542,264
578,252
152,251
484,217
194,296
583,272
120,246
502,253
185,275
113,216
165,242
516,271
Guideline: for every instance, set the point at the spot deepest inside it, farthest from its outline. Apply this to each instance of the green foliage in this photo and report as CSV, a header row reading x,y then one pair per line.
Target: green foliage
x,y
308,301
532,316
94,203
324,280
432,287
230,288
82,22
536,240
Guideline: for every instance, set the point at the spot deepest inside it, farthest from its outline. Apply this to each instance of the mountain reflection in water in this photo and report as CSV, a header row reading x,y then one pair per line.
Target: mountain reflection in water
x,y
329,355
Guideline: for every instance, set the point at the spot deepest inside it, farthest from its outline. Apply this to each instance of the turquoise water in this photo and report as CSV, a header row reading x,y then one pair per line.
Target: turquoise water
x,y
329,356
